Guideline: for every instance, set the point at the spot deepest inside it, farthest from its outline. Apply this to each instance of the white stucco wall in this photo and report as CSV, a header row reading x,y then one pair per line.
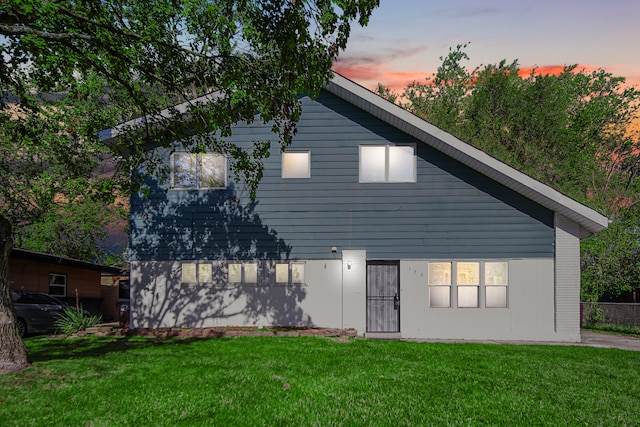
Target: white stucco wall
x,y
158,299
543,299
529,316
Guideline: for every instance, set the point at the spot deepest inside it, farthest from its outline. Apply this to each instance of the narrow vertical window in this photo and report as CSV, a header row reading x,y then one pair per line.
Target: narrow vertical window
x,y
439,284
296,164
495,284
297,272
188,273
250,272
468,284
282,273
234,274
204,273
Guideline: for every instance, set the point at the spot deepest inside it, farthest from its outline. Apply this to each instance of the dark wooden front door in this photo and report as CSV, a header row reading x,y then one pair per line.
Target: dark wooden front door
x,y
383,296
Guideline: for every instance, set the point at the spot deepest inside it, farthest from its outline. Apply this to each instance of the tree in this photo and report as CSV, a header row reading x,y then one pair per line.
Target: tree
x,y
71,68
571,131
610,260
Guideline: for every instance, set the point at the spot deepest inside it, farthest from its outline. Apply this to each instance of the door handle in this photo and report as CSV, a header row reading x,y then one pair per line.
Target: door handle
x,y
396,301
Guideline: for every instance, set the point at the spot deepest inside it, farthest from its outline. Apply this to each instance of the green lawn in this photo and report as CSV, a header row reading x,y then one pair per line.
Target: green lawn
x,y
305,381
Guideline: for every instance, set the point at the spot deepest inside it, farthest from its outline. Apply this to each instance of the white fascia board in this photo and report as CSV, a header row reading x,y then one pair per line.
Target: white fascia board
x,y
590,220
111,135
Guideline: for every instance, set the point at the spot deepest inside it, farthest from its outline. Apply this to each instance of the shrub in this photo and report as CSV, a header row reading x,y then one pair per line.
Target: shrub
x,y
74,320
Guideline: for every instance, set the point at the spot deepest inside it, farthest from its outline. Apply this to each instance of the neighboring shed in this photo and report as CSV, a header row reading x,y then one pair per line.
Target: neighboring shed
x,y
96,285
372,219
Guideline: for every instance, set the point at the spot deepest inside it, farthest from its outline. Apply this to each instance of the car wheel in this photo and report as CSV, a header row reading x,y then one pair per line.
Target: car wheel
x,y
22,327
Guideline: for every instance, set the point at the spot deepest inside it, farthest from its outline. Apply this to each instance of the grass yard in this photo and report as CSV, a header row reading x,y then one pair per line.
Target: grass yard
x,y
307,381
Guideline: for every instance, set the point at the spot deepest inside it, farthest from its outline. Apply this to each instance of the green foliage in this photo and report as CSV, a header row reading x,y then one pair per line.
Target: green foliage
x,y
570,131
611,259
71,68
306,381
74,319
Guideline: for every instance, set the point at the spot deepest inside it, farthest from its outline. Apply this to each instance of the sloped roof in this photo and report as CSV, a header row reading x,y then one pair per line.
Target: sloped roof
x,y
55,259
589,220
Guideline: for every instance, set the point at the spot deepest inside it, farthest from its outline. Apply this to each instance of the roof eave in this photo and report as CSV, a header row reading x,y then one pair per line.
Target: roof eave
x,y
589,220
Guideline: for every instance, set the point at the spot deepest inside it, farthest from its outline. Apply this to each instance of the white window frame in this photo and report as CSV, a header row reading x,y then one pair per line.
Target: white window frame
x,y
196,272
440,285
200,182
290,269
387,169
464,285
292,162
245,276
503,286
63,286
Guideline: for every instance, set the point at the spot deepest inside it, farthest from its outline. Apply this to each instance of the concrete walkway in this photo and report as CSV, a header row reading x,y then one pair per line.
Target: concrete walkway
x,y
597,339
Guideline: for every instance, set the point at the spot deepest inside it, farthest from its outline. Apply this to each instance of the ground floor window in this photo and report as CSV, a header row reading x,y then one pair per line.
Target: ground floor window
x,y
475,283
243,273
264,272
57,285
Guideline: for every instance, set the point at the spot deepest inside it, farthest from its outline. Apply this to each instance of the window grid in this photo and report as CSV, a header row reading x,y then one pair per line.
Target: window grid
x,y
470,279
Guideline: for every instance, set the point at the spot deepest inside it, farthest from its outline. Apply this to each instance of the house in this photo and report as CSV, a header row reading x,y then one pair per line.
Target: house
x,y
96,285
372,219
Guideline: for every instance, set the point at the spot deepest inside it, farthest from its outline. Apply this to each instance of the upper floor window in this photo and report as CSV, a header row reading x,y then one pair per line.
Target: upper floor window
x,y
196,171
387,163
296,164
58,285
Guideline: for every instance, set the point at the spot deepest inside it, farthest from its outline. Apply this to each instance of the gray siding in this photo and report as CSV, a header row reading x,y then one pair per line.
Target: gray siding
x,y
450,212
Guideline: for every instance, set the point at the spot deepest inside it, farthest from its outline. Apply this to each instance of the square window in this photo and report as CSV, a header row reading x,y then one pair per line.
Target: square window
x,y
401,163
439,273
296,164
440,296
468,296
468,273
495,273
387,163
198,171
58,285
496,297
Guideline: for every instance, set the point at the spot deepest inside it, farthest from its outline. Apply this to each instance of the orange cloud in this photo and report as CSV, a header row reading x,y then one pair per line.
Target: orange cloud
x,y
370,75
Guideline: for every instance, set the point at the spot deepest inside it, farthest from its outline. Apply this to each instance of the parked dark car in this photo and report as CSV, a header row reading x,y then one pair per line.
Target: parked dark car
x,y
35,312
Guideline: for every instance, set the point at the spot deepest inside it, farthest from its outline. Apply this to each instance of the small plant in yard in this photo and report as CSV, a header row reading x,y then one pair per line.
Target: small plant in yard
x,y
74,319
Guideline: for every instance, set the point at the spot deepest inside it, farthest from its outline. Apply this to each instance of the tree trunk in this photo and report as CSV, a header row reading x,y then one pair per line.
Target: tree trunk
x,y
13,353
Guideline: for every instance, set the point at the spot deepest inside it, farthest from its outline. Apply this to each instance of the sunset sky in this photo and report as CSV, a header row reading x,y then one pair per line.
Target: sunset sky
x,y
406,38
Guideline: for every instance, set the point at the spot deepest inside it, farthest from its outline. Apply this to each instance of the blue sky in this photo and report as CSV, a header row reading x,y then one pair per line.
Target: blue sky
x,y
406,38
